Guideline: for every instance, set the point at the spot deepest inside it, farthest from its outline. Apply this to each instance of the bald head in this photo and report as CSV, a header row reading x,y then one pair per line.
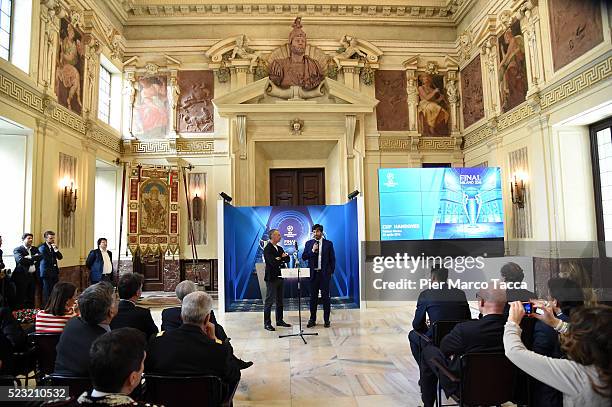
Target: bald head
x,y
492,300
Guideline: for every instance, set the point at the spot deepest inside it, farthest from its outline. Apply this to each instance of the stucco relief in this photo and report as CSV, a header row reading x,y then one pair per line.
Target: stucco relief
x,y
390,90
472,93
195,108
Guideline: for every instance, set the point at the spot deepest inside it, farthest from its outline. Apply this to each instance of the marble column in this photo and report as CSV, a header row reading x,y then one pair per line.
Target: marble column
x,y
530,27
90,82
175,93
50,14
413,99
452,93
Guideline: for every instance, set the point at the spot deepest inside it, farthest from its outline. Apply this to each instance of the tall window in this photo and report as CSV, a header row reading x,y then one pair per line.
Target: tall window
x,y
601,151
6,25
104,100
109,94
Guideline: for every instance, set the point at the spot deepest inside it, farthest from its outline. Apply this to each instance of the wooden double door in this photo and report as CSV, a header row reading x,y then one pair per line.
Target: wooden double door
x,y
299,186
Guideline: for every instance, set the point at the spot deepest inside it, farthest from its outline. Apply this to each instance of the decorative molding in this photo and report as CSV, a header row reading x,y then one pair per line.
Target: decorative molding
x,y
554,94
436,144
387,143
47,107
191,146
450,12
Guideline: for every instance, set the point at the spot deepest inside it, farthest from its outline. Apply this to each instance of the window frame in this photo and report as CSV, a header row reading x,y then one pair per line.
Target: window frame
x,y
11,31
110,93
599,218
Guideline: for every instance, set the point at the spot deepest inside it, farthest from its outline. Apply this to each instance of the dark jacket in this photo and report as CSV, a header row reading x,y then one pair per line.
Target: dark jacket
x,y
1,261
328,258
73,347
12,330
478,335
95,264
115,400
131,316
171,319
274,261
187,351
21,263
444,304
48,267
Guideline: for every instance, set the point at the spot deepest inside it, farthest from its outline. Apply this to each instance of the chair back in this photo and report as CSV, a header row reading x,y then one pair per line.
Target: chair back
x,y
77,385
45,351
175,391
487,379
443,328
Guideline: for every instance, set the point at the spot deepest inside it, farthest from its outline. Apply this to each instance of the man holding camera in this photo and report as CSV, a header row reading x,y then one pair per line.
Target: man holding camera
x,y
27,259
49,270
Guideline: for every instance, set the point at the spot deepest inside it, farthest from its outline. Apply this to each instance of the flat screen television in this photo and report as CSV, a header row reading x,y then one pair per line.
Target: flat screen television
x,y
440,203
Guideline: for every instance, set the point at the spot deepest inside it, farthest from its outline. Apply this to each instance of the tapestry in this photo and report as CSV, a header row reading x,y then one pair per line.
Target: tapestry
x,y
512,68
575,28
153,212
195,108
433,110
69,67
471,93
151,108
392,109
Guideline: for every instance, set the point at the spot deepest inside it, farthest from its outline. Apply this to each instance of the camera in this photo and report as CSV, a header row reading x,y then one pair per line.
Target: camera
x,y
529,308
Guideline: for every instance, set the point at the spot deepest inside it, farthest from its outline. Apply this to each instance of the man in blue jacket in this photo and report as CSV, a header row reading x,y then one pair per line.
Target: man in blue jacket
x,y
49,270
100,263
319,253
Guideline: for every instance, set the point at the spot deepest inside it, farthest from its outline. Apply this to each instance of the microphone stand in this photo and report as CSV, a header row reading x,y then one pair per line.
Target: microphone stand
x,y
299,293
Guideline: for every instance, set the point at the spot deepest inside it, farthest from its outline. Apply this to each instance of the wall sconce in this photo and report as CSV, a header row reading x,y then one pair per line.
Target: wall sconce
x,y
196,206
69,198
517,189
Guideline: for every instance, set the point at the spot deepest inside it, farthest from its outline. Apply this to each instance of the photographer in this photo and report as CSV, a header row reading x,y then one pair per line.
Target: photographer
x,y
585,378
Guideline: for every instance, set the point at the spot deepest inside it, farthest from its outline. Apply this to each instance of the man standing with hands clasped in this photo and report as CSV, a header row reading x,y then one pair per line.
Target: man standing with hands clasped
x,y
49,270
321,259
275,257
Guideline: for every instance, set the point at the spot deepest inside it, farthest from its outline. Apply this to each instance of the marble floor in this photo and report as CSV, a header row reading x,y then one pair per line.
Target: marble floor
x,y
362,360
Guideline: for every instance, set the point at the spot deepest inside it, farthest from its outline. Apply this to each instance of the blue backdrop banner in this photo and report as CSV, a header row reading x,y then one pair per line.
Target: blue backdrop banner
x,y
246,229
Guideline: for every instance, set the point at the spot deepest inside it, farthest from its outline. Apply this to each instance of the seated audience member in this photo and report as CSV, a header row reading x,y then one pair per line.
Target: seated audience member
x,y
564,296
481,335
130,315
59,310
585,378
116,363
6,355
573,270
12,330
97,307
438,304
171,317
193,349
513,273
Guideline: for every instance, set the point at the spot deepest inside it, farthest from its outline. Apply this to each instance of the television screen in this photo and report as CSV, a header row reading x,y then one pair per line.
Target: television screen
x,y
440,203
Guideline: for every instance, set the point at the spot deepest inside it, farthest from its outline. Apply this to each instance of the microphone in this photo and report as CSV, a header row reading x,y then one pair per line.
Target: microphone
x,y
296,246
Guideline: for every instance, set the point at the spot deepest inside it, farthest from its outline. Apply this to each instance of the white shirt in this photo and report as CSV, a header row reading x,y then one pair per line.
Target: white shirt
x,y
320,242
32,268
108,266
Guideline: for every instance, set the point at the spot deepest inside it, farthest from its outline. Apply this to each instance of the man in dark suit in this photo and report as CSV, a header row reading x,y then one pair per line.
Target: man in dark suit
x,y
97,307
275,257
49,270
321,259
130,315
439,304
7,289
27,259
171,317
100,263
193,349
480,335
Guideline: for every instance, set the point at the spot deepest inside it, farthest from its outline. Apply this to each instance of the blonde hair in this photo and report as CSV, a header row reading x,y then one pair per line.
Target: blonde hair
x,y
574,271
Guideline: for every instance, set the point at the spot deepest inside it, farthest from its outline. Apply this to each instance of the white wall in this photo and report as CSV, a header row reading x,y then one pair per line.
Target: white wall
x,y
13,184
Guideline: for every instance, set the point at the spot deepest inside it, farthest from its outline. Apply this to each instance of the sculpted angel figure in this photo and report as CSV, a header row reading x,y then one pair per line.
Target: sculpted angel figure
x,y
349,43
242,51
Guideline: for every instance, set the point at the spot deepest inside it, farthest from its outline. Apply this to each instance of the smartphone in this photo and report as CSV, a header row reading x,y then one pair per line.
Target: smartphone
x,y
528,307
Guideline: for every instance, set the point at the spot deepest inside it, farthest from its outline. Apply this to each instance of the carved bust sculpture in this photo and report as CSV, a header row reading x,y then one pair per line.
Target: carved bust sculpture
x,y
298,69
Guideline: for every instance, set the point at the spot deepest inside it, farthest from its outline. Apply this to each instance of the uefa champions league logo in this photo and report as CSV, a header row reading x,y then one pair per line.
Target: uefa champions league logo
x,y
290,233
390,180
